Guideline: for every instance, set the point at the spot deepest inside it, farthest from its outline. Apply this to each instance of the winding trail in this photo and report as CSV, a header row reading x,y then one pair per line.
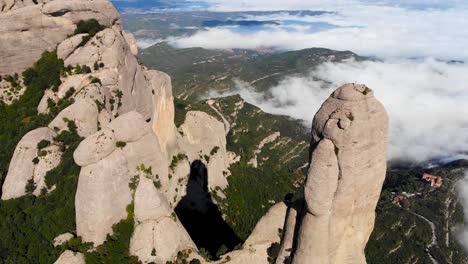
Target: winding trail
x,y
434,237
227,125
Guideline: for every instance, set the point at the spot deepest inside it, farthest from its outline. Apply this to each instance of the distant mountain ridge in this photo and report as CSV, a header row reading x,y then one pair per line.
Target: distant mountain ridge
x,y
196,71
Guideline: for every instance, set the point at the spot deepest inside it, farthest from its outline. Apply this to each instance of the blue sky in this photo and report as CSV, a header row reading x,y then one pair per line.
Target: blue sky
x,y
242,5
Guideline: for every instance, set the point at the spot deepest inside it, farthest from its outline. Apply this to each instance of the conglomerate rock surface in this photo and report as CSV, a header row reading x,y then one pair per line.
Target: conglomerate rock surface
x,y
346,174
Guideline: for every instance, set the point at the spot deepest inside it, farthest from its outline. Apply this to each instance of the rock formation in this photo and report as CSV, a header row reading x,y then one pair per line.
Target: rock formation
x,y
70,257
31,163
62,239
158,235
203,137
133,155
110,158
27,28
347,170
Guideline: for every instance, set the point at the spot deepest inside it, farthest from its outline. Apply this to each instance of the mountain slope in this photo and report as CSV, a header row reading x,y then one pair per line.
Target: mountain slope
x,y
196,71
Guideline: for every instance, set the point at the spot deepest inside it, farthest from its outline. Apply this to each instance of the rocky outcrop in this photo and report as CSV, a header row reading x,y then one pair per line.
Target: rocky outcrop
x,y
48,23
85,115
347,170
271,138
203,139
70,257
255,248
62,239
288,237
163,115
30,163
158,235
110,159
132,42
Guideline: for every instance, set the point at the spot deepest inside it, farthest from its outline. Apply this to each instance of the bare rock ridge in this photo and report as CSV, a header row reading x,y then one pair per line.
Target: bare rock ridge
x,y
345,178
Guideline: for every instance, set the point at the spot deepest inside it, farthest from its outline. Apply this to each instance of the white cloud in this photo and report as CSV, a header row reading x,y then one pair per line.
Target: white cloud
x,y
144,43
372,30
426,102
268,5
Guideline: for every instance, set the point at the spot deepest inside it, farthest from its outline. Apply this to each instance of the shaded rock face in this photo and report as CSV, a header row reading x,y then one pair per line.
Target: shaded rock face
x,y
201,217
47,22
347,170
264,235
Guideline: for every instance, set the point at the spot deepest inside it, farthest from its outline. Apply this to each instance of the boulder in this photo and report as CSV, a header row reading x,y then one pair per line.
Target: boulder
x,y
62,239
70,257
95,147
346,174
130,127
69,45
83,112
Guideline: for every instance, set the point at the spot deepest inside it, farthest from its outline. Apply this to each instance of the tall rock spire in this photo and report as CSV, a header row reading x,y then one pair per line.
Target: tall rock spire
x,y
347,170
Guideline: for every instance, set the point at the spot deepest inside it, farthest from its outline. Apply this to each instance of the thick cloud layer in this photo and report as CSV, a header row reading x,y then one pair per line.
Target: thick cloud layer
x,y
371,30
426,102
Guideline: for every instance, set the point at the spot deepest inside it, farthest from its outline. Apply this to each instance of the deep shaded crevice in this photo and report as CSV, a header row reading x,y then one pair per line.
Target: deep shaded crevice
x,y
201,217
59,13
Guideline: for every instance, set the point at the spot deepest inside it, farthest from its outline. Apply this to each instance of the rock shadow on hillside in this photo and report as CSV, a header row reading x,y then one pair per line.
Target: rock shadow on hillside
x,y
202,218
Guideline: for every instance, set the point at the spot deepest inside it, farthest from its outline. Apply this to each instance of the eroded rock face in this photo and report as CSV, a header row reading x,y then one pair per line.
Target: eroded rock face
x,y
30,163
27,28
110,159
347,170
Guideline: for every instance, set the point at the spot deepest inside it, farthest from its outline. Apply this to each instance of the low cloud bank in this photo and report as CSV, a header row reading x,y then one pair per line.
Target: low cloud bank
x,y
370,30
426,102
144,43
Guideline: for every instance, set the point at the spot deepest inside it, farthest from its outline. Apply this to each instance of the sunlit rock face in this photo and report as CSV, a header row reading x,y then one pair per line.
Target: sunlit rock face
x,y
31,163
110,160
27,28
347,170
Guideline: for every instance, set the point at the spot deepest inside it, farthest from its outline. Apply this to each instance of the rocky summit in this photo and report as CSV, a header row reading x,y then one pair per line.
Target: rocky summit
x,y
109,122
346,173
